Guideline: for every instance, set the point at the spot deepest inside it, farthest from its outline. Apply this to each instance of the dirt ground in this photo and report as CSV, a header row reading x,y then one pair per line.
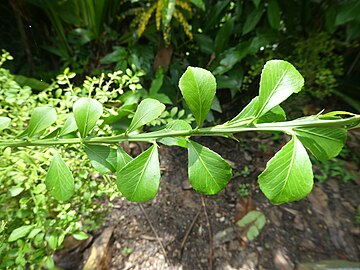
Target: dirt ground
x,y
174,231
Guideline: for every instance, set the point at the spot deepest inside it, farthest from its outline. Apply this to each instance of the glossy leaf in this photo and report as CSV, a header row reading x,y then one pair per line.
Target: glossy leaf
x,y
20,232
199,3
148,110
208,172
41,118
139,179
252,20
323,143
69,126
4,122
273,14
122,158
59,179
288,175
98,155
279,79
87,112
198,87
253,222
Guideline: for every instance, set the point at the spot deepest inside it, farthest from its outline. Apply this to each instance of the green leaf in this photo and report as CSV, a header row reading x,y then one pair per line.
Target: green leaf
x,y
223,35
98,155
176,125
87,112
208,172
253,222
31,82
198,87
148,110
288,175
323,143
168,12
41,118
14,191
52,240
80,236
273,14
4,122
276,114
122,158
59,179
279,79
69,126
252,20
33,233
199,3
139,180
349,11
248,112
20,232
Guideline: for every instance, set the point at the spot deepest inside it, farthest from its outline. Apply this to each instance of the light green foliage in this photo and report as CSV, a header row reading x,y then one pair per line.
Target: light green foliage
x,y
41,119
139,179
252,223
288,175
209,173
198,87
59,179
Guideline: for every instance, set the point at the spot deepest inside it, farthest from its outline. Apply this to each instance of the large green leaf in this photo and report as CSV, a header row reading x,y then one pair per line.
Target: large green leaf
x,y
288,175
323,143
4,122
139,179
273,14
87,112
208,172
279,79
20,232
198,87
149,109
59,179
99,156
41,118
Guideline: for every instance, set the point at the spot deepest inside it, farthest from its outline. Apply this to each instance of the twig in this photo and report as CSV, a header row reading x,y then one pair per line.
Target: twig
x,y
183,242
154,231
211,250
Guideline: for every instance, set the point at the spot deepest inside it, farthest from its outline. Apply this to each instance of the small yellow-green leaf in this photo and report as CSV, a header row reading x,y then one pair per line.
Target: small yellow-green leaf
x,y
59,179
4,122
20,232
87,112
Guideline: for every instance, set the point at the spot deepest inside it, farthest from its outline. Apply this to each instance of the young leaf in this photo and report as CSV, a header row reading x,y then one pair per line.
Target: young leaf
x,y
276,114
59,179
323,143
148,110
99,155
122,158
69,126
41,118
139,180
87,112
4,122
176,141
288,175
208,172
273,14
279,79
252,222
248,112
198,87
20,232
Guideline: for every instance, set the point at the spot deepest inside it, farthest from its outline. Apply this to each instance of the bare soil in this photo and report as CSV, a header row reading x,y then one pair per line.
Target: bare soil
x,y
320,227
